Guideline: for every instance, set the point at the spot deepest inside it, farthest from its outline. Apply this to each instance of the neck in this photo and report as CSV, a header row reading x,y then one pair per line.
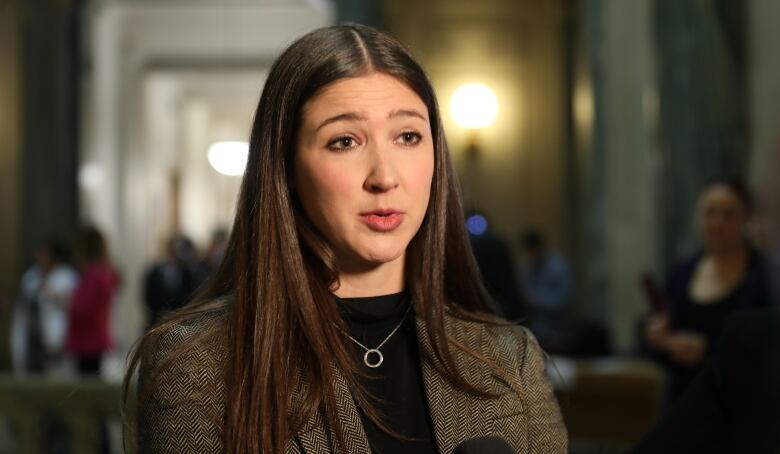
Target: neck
x,y
730,253
383,279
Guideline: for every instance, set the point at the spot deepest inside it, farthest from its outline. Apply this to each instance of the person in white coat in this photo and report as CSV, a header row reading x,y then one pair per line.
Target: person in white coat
x,y
40,317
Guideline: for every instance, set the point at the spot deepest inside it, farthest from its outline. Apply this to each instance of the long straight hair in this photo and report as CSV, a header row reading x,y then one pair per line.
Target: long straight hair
x,y
281,325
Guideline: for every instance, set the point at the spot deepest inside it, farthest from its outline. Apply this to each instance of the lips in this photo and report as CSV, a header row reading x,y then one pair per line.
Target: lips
x,y
382,220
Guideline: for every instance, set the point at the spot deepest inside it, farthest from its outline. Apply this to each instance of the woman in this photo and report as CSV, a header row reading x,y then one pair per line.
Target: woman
x,y
88,335
348,315
727,276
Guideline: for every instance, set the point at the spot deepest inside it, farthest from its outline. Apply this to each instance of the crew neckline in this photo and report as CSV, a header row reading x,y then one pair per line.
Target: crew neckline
x,y
374,308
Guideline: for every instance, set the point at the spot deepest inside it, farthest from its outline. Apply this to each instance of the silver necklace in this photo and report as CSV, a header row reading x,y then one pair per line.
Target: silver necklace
x,y
375,351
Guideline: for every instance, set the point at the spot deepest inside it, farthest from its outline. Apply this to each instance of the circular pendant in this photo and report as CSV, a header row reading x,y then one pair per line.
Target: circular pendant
x,y
375,364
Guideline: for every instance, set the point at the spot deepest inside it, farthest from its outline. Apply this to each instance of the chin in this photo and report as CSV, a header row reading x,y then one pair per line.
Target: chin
x,y
383,255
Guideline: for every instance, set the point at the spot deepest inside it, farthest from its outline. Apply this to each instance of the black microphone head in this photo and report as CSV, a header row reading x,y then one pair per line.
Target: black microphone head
x,y
484,445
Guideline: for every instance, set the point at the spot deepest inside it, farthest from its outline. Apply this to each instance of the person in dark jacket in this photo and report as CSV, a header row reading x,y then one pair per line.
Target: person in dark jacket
x,y
727,276
170,283
732,405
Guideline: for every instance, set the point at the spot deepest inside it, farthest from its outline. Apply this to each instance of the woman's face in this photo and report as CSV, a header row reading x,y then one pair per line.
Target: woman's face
x,y
364,166
722,217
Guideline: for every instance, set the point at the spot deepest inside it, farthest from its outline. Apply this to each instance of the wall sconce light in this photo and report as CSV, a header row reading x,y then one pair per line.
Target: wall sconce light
x,y
228,158
474,106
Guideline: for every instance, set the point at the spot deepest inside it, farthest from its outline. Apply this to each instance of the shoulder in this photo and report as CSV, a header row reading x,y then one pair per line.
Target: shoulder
x,y
517,349
64,276
686,267
202,334
680,274
526,409
558,261
99,273
760,267
31,279
184,359
512,347
181,399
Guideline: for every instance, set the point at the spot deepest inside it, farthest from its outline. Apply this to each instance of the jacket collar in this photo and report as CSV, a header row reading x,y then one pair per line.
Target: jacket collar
x,y
456,416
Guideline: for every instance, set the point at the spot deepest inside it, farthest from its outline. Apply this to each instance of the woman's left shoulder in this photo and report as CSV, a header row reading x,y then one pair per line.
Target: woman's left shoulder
x,y
512,347
510,336
527,414
516,347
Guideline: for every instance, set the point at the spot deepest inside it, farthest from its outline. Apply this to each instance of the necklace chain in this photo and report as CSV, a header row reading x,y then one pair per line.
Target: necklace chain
x,y
375,351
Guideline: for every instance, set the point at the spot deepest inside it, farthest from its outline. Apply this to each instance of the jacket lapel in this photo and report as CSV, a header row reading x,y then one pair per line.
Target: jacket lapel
x,y
315,436
456,415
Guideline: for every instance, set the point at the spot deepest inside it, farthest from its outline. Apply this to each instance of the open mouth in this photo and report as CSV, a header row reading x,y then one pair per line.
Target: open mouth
x,y
382,220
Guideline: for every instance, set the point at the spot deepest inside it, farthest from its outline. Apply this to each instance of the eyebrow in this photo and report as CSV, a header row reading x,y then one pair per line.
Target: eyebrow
x,y
341,117
406,113
355,116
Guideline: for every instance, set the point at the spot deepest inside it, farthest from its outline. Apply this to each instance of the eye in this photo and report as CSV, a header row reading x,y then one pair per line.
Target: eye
x,y
342,143
409,138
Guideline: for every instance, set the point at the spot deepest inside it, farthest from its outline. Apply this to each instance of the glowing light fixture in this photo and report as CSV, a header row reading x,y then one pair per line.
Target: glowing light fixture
x,y
474,106
229,158
91,176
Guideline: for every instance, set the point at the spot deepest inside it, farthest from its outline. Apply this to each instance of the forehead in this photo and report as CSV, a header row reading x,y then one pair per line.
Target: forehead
x,y
374,93
720,195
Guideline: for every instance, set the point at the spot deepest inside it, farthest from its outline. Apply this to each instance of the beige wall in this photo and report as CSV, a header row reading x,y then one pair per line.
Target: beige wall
x,y
10,161
516,47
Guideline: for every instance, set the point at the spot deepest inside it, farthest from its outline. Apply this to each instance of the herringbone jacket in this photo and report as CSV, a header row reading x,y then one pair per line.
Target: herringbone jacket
x,y
180,418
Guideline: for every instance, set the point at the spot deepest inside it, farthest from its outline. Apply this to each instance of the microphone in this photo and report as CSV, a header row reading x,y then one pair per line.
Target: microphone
x,y
484,445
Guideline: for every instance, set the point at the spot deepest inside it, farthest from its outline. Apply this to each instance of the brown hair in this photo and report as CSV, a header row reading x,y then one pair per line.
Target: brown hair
x,y
737,187
92,245
282,325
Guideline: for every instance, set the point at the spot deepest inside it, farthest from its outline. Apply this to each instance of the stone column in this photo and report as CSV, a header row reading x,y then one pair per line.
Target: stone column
x,y
703,109
10,163
623,166
764,86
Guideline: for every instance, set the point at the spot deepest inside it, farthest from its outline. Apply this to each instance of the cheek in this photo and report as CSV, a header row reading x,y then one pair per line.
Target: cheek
x,y
327,187
420,178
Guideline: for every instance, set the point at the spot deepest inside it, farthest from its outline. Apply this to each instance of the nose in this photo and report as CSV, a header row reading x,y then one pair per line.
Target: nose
x,y
382,175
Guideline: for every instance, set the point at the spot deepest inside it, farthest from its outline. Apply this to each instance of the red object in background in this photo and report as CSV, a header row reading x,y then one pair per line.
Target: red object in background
x,y
656,298
88,325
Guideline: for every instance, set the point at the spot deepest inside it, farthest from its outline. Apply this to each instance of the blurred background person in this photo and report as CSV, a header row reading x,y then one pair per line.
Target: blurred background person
x,y
733,404
89,335
41,313
727,275
546,280
496,266
170,283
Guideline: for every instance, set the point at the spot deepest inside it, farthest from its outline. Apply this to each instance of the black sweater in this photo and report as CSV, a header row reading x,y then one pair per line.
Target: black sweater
x,y
397,382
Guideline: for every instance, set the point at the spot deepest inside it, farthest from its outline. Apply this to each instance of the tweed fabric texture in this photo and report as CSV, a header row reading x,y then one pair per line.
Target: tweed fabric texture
x,y
180,417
